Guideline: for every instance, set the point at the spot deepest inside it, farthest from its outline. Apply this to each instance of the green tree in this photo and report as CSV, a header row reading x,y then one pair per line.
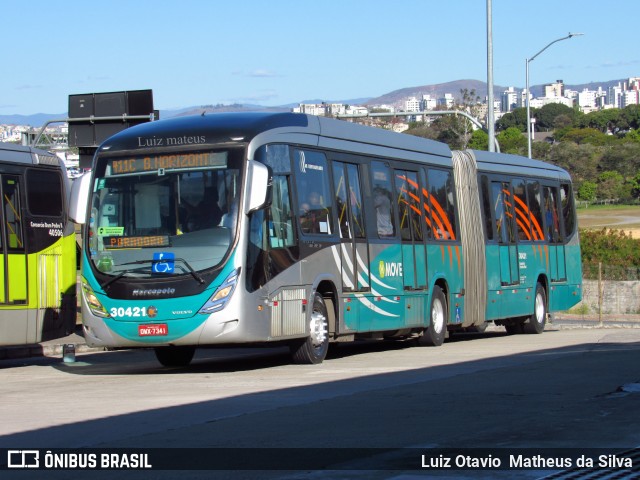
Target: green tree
x,y
623,158
630,117
512,141
632,136
479,140
603,120
516,118
546,116
610,184
454,130
584,135
635,186
587,191
580,160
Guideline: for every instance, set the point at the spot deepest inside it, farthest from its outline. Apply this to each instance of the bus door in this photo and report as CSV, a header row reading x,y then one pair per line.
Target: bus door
x,y
553,232
414,259
354,251
14,259
502,201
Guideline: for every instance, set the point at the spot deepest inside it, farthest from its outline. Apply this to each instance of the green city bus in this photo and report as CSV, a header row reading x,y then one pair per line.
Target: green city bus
x,y
38,272
289,229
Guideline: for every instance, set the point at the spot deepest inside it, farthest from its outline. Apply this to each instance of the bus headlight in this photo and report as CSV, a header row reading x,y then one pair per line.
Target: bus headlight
x,y
92,301
222,295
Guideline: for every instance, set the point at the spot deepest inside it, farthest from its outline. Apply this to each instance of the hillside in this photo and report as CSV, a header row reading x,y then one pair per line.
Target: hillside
x,y
436,91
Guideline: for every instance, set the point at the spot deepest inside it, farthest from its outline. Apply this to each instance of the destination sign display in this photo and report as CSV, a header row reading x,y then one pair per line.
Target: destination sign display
x,y
136,242
166,162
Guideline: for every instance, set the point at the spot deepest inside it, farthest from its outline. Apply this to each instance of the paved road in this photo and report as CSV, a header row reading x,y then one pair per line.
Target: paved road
x,y
565,388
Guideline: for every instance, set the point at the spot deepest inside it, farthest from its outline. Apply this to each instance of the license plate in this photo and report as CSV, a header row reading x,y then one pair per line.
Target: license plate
x,y
157,330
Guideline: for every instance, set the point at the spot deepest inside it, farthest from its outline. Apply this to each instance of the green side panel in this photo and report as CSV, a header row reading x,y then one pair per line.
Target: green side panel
x,y
563,297
421,266
561,263
408,268
2,280
350,312
553,262
513,262
505,265
17,266
494,272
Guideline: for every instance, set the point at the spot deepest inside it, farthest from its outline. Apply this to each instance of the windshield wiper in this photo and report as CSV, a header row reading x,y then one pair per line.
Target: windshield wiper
x,y
118,277
194,274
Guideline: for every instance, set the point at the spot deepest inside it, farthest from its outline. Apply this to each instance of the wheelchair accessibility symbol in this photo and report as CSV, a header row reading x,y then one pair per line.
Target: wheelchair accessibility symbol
x,y
163,262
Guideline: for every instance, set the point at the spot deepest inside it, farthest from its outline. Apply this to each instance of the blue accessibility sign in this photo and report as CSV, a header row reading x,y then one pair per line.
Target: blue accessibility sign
x,y
163,262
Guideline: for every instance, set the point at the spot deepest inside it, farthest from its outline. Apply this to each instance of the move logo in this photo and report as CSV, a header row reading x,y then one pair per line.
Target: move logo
x,y
23,459
389,269
304,165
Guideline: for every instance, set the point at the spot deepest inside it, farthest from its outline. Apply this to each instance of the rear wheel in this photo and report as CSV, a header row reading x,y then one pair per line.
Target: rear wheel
x,y
538,318
313,349
175,356
434,335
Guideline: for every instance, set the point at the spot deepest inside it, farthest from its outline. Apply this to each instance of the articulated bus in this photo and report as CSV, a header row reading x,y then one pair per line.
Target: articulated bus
x,y
261,228
38,271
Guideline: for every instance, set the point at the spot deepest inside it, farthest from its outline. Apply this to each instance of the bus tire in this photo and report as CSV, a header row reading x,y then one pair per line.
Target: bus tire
x,y
313,349
538,318
175,356
434,334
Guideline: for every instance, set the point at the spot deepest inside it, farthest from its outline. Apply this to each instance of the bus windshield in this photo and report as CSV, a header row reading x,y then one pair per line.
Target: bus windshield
x,y
164,214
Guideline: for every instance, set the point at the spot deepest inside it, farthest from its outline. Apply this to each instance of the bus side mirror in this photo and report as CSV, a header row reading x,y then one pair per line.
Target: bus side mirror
x,y
79,198
259,186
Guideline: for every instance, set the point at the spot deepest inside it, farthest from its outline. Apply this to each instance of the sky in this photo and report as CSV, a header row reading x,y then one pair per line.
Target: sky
x,y
278,52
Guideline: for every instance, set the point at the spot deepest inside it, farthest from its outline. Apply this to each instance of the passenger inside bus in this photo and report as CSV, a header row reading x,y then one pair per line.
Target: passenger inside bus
x,y
206,214
314,216
382,204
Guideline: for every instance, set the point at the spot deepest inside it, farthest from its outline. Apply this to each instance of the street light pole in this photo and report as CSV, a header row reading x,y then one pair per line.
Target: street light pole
x,y
529,60
490,113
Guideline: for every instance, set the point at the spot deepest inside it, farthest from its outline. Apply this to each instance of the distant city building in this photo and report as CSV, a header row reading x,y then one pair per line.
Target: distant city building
x,y
630,97
509,100
429,103
447,101
412,104
554,90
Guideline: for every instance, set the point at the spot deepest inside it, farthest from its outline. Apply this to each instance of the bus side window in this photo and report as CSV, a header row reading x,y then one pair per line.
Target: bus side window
x,y
535,210
523,223
440,200
12,209
503,216
409,205
551,219
315,203
568,210
280,215
485,196
385,215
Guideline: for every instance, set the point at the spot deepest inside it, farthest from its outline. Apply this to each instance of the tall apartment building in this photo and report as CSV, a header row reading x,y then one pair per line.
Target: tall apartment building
x,y
554,90
509,100
447,101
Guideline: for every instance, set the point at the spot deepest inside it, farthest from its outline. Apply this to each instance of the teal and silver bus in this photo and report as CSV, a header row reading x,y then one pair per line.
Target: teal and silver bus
x,y
289,229
38,269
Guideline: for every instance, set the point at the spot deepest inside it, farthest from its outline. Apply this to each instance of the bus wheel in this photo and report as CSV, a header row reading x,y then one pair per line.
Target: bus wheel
x,y
175,356
538,318
314,349
434,335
